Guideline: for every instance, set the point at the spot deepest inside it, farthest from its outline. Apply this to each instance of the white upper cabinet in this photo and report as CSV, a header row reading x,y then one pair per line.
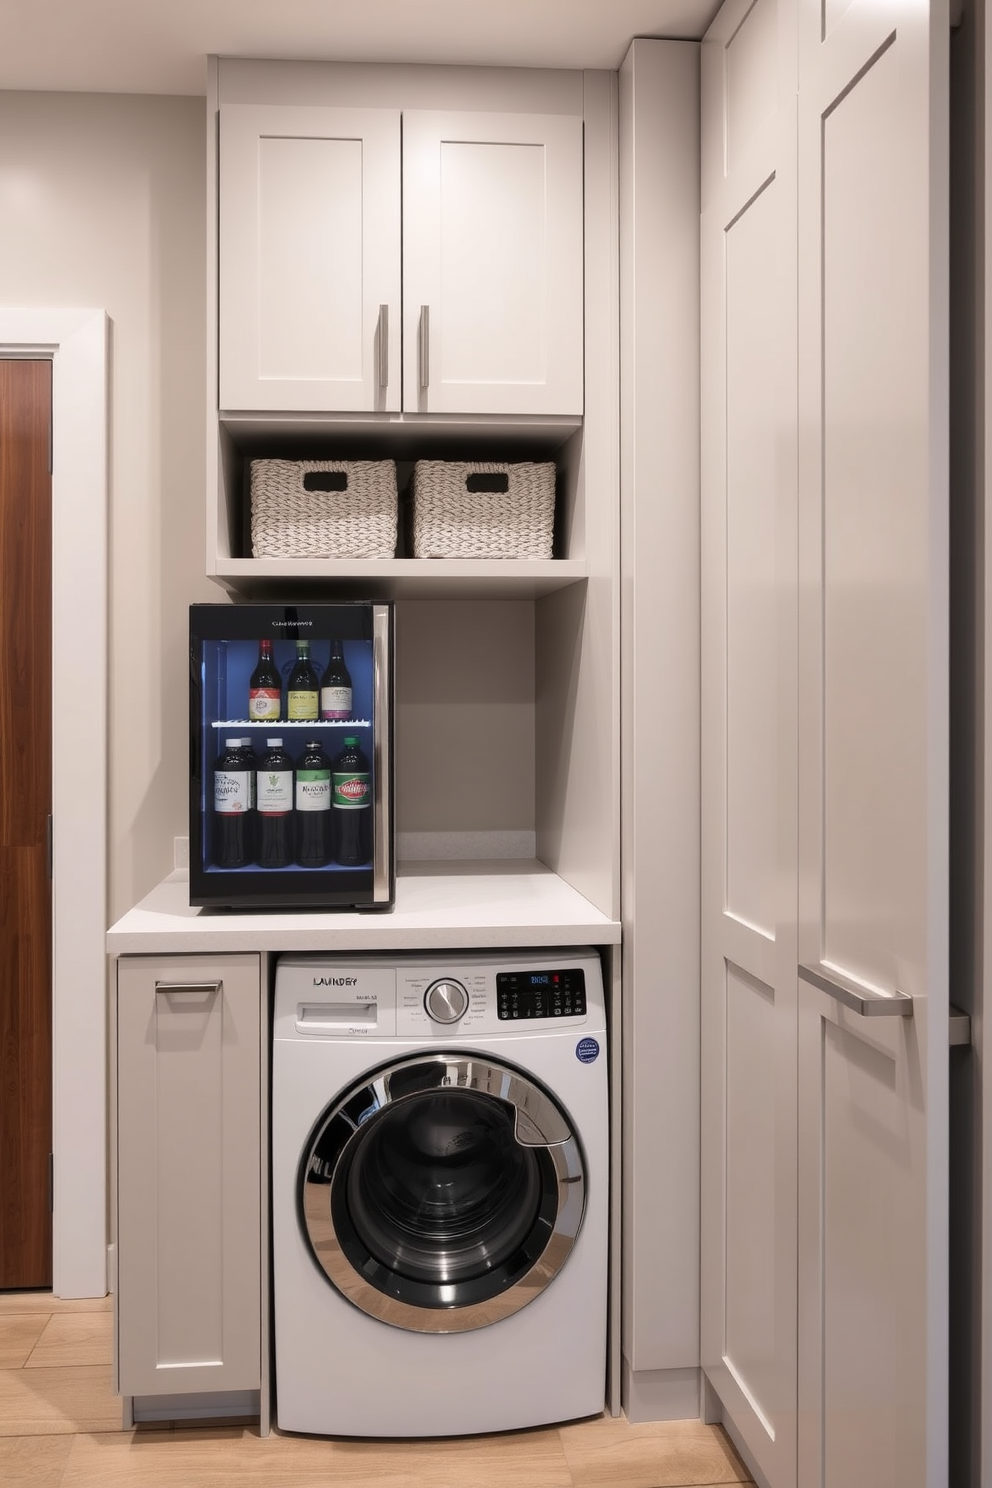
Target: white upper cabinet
x,y
492,263
309,249
311,267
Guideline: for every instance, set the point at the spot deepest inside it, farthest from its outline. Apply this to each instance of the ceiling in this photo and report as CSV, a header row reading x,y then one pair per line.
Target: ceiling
x,y
140,46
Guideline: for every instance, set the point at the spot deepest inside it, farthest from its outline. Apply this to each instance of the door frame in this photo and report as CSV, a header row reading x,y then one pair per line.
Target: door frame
x,y
76,342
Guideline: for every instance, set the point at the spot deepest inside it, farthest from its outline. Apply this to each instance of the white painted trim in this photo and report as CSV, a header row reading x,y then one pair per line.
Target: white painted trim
x,y
76,341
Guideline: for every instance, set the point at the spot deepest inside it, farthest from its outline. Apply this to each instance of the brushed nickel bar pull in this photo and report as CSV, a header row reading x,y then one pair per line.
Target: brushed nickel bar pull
x,y
868,1004
425,346
199,987
382,332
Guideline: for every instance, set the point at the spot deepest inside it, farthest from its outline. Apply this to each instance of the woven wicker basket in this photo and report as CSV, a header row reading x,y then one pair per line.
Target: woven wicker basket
x,y
323,508
483,510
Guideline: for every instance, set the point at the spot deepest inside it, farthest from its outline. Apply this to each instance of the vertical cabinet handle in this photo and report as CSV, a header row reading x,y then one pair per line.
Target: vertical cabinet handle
x,y
425,346
382,335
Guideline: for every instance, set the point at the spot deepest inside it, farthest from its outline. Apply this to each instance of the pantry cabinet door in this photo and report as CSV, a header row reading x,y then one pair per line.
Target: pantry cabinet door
x,y
749,575
309,258
873,680
492,263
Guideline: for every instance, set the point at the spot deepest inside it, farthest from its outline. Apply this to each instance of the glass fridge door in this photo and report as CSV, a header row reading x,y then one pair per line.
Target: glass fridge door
x,y
290,778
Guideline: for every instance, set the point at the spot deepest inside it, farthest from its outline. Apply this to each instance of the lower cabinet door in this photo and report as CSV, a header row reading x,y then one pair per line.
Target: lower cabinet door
x,y
189,1174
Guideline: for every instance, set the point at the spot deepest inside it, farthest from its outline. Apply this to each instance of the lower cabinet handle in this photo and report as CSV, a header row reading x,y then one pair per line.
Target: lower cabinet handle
x,y
198,987
868,1004
425,346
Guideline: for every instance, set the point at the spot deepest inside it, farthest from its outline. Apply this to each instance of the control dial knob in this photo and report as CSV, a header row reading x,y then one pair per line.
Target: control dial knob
x,y
446,1000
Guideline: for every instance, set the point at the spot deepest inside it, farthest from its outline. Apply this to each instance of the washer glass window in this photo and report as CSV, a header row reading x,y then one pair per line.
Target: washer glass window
x,y
443,1193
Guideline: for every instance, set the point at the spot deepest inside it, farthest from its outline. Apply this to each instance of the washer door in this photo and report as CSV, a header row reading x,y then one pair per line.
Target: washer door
x,y
443,1193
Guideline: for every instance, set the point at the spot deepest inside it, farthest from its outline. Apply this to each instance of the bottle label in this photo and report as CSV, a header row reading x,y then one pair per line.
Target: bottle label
x,y
313,790
275,792
302,705
335,702
263,702
232,791
352,790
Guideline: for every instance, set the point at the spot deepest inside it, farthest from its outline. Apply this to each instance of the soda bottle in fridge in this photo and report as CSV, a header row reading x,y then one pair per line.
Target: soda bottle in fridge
x,y
313,807
351,783
274,806
233,792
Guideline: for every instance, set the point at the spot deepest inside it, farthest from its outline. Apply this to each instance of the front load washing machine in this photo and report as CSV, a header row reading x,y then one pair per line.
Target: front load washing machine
x,y
440,1177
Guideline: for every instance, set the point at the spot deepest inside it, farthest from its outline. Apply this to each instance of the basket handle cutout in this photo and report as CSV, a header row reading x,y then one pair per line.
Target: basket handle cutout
x,y
325,480
487,480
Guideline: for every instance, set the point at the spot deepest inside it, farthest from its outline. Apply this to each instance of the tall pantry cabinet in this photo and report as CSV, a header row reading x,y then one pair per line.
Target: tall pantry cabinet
x,y
825,739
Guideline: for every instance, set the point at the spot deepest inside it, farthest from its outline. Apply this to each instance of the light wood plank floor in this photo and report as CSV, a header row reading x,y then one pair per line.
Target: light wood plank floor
x,y
60,1427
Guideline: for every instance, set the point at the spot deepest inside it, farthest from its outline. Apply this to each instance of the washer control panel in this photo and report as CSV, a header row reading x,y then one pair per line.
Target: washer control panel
x,y
474,999
437,998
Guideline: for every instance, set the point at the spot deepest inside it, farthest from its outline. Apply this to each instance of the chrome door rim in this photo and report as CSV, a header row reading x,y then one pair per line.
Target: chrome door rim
x,y
538,1124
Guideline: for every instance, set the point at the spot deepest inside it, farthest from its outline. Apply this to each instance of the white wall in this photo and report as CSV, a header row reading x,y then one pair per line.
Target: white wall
x,y
102,200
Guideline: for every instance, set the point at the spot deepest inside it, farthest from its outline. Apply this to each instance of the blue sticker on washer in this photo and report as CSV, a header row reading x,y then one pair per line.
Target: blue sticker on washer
x,y
587,1050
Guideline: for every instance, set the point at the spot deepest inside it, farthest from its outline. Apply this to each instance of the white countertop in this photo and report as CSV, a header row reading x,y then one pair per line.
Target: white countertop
x,y
438,905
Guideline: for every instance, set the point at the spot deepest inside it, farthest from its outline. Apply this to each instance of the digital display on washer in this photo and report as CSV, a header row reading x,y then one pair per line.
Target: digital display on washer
x,y
541,994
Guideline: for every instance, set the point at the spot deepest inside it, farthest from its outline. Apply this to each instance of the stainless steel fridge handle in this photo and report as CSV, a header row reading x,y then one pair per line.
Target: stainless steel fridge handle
x,y
859,999
381,735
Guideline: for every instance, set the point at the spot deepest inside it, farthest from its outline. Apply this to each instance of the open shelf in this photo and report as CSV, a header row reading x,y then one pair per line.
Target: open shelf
x,y
403,578
244,437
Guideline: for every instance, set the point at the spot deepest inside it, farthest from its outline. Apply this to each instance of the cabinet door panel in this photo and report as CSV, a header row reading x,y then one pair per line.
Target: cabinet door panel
x,y
492,263
873,678
189,1175
309,253
748,1212
863,1217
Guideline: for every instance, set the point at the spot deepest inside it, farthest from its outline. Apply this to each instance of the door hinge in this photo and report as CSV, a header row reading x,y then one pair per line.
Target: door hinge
x,y
51,1183
50,848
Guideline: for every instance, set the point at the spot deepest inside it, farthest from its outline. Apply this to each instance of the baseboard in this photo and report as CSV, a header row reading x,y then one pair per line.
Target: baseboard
x,y
220,1405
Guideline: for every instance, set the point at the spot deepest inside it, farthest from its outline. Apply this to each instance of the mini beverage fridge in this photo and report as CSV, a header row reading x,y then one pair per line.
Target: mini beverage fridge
x,y
290,799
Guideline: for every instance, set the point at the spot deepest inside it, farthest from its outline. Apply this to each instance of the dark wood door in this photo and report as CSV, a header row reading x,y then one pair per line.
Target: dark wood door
x,y
25,805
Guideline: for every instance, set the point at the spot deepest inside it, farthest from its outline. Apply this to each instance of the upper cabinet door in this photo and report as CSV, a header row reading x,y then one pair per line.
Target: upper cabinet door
x,y
309,258
492,263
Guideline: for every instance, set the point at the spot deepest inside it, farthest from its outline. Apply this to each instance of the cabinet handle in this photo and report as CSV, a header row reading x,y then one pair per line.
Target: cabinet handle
x,y
382,331
197,987
868,1004
425,346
